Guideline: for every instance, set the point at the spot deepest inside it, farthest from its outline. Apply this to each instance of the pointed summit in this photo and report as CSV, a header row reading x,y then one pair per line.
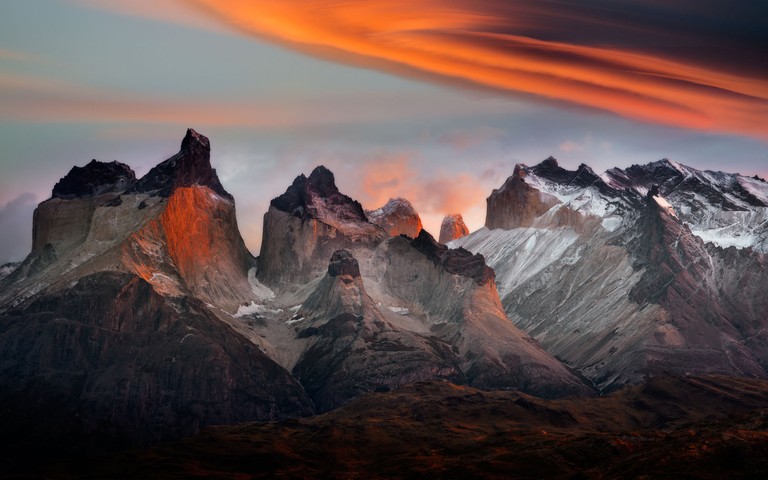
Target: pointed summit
x,y
193,140
322,182
318,197
191,166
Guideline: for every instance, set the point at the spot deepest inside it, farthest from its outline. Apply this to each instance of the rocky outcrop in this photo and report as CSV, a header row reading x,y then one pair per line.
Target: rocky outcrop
x,y
516,204
191,166
119,325
110,360
7,268
166,235
353,349
397,217
96,178
306,224
452,227
630,288
454,260
457,296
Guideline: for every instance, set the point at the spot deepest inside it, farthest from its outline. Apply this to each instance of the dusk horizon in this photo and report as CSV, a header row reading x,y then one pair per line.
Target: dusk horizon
x,y
94,87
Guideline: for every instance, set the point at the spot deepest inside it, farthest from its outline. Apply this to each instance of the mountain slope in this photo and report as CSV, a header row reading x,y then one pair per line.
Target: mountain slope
x,y
416,311
611,273
113,326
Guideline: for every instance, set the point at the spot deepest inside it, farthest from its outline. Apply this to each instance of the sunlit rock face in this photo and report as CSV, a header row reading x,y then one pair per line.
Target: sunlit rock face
x,y
452,227
624,275
122,311
397,217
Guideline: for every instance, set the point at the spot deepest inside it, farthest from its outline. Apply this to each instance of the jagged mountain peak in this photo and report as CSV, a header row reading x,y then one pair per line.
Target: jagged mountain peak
x,y
306,224
550,170
191,166
193,140
549,162
162,228
322,182
454,260
318,197
93,179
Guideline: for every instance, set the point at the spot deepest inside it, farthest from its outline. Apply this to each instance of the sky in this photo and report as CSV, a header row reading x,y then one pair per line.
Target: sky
x,y
434,100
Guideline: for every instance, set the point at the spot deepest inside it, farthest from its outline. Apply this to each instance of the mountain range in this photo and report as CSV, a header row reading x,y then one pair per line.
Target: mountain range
x,y
140,316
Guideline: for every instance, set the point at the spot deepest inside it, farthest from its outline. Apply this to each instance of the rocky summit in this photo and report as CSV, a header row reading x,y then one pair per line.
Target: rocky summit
x,y
634,272
452,227
397,217
114,327
140,316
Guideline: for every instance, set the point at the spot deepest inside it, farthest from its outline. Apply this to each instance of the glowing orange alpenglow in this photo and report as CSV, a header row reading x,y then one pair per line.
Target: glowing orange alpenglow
x,y
478,42
195,226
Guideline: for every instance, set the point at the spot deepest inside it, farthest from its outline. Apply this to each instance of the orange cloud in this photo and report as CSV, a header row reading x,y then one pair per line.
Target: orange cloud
x,y
496,44
433,194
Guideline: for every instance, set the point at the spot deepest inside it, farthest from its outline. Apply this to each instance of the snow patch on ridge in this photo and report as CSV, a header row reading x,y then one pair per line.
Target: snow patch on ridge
x,y
261,291
256,309
756,187
587,201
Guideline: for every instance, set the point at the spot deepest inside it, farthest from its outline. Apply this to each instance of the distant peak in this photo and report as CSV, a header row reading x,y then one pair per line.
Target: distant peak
x,y
191,166
394,205
550,162
193,140
93,179
322,181
452,227
318,197
397,217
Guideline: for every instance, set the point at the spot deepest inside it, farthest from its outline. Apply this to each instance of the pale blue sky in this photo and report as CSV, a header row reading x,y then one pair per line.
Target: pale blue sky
x,y
78,83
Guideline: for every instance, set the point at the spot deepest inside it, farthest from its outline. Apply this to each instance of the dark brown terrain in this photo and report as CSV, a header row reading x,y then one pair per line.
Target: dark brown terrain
x,y
670,427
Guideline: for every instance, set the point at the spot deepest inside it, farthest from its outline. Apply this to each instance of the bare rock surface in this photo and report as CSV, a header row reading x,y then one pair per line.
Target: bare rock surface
x,y
627,284
117,326
397,217
95,178
306,224
452,227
